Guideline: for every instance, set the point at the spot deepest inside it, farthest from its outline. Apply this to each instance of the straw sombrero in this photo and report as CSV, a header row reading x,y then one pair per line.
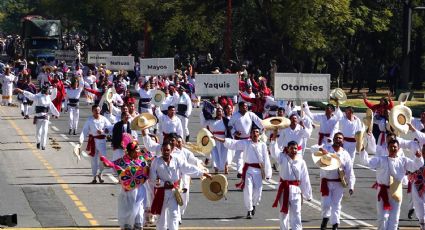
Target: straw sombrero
x,y
109,94
339,95
326,161
368,120
399,117
216,188
158,97
143,121
77,151
396,190
48,67
359,140
403,97
205,141
273,123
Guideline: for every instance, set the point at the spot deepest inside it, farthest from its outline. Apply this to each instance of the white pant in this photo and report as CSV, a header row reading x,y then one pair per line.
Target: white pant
x,y
293,218
185,122
219,156
41,129
331,204
185,183
118,153
74,116
238,159
95,161
419,204
130,208
25,108
350,147
388,220
253,188
169,213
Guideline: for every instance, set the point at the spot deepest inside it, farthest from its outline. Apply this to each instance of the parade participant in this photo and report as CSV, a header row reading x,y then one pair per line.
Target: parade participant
x,y
241,123
390,169
332,185
256,167
349,125
294,183
184,108
258,103
96,128
167,169
131,104
90,79
169,123
328,122
60,92
26,85
121,127
43,104
44,75
168,99
73,98
380,113
261,86
418,189
295,132
419,123
247,93
219,153
7,80
145,94
133,191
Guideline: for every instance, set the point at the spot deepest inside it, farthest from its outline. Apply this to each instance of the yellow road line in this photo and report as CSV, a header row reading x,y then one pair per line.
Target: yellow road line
x,y
59,180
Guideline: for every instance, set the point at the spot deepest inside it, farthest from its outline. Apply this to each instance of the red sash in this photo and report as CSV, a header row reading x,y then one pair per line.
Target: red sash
x,y
91,146
383,194
324,189
284,187
241,184
158,200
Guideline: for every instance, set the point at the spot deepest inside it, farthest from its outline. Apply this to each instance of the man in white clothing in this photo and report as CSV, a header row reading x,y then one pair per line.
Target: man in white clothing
x,y
328,122
395,166
96,128
168,169
73,98
169,123
419,123
241,123
349,125
295,132
7,80
183,104
294,183
256,167
331,185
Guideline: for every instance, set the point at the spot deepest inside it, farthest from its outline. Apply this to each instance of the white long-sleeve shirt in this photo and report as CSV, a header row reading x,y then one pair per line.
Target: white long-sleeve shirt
x,y
44,100
254,152
386,166
417,123
346,165
292,170
213,125
183,99
298,134
92,125
346,126
75,93
326,125
243,123
169,125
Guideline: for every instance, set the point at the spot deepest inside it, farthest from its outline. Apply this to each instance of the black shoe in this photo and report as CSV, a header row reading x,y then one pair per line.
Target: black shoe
x,y
22,113
74,132
38,145
43,148
180,222
410,214
335,227
324,223
253,210
239,175
70,130
249,215
187,138
100,179
206,161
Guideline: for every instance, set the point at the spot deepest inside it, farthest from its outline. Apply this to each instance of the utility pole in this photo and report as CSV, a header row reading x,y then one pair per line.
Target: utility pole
x,y
228,36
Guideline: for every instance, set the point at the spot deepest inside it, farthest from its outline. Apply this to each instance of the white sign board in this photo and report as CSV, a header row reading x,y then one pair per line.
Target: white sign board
x,y
66,55
217,84
98,57
120,62
157,66
302,86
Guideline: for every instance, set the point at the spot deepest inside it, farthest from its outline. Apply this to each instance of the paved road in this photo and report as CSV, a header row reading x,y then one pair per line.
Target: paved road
x,y
51,189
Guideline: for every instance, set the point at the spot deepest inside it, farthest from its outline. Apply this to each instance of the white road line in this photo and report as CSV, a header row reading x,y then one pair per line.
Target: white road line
x,y
64,136
54,128
113,179
362,166
72,143
272,219
224,220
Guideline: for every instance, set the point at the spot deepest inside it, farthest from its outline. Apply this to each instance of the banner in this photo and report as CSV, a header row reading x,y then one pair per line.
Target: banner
x,y
66,55
216,84
98,57
302,86
157,66
120,63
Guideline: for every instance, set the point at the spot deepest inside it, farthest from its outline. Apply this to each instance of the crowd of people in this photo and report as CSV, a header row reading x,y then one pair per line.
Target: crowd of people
x,y
252,129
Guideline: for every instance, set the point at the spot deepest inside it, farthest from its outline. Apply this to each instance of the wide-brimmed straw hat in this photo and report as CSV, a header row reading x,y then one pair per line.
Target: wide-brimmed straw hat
x,y
158,97
273,123
205,141
109,94
368,120
396,190
399,117
216,188
359,136
403,97
326,161
339,95
143,121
